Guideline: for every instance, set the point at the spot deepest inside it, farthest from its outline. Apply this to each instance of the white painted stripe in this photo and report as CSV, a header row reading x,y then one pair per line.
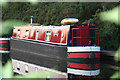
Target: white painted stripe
x,y
1,51
83,49
37,66
4,38
83,72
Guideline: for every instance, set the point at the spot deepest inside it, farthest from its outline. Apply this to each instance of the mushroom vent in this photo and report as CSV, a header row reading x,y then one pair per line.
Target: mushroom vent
x,y
69,21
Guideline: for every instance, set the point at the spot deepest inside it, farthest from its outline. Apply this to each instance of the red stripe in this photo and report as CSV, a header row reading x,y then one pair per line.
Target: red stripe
x,y
97,55
81,55
78,66
3,41
81,66
2,48
97,66
78,55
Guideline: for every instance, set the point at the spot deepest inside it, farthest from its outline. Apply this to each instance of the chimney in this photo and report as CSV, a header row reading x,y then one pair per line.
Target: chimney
x,y
31,19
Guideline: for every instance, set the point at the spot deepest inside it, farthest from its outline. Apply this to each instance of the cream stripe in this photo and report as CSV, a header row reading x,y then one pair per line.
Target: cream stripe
x,y
4,38
83,72
84,49
4,51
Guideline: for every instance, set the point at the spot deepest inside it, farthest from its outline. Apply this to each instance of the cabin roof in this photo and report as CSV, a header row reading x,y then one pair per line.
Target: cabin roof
x,y
56,27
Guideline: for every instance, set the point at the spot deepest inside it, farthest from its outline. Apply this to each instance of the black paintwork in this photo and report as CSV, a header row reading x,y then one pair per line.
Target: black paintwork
x,y
40,54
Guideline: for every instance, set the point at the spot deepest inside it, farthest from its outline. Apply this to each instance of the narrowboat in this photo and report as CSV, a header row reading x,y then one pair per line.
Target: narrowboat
x,y
66,51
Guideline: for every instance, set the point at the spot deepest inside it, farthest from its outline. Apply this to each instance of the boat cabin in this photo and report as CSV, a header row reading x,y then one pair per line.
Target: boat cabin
x,y
69,35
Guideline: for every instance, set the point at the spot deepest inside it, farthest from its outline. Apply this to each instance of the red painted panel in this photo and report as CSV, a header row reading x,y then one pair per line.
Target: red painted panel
x,y
56,36
3,41
81,55
78,66
14,32
42,34
97,66
81,66
83,33
34,33
78,55
2,48
97,55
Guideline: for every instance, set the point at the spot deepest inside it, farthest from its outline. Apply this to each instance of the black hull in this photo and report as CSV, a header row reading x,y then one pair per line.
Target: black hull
x,y
45,55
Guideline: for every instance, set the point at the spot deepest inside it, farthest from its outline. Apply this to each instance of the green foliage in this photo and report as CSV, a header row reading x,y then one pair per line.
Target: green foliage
x,y
111,15
7,71
109,33
7,26
105,72
116,75
52,14
109,37
49,13
33,2
3,3
108,30
111,29
117,55
0,70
